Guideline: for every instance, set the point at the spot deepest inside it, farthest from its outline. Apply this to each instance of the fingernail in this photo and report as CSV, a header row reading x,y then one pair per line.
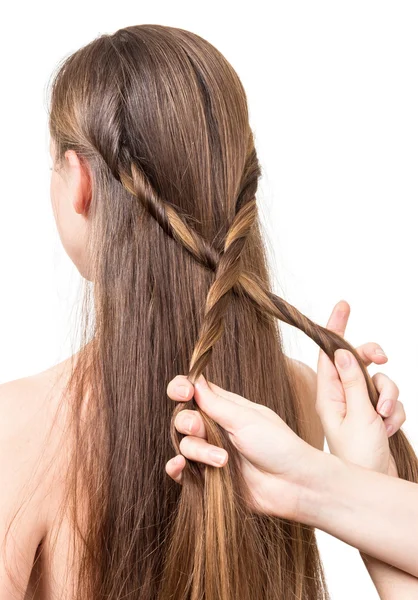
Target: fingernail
x,y
188,424
342,358
217,456
386,408
201,382
380,352
182,391
389,429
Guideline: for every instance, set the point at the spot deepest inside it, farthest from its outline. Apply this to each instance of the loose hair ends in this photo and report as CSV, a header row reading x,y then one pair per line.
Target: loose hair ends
x,y
181,285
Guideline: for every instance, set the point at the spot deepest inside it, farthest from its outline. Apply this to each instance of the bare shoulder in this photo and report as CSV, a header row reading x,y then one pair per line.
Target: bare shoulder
x,y
28,409
29,446
305,379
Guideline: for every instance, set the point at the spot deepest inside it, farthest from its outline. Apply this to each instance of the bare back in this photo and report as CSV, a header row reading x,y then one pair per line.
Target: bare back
x,y
40,552
34,455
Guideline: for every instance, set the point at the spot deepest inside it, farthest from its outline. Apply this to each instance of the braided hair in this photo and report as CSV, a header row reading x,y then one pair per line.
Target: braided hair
x,y
161,119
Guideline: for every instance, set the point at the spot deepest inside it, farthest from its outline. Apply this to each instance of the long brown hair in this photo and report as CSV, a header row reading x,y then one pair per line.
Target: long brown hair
x,y
180,285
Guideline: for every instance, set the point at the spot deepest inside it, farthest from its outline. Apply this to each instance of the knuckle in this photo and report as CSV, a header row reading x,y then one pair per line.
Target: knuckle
x,y
350,383
181,417
366,348
383,382
391,385
401,409
178,422
177,380
397,422
328,398
377,377
398,417
360,346
191,447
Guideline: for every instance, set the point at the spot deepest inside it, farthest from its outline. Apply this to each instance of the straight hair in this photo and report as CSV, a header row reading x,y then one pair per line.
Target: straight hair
x,y
178,283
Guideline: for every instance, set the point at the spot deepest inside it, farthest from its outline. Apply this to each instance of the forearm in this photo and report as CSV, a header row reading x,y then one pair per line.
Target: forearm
x,y
391,583
375,513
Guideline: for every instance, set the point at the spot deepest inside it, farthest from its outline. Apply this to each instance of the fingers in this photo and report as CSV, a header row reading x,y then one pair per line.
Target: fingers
x,y
190,422
328,378
396,419
234,397
388,394
354,384
231,414
371,353
223,407
330,401
199,450
388,406
339,317
180,389
330,404
196,449
174,467
187,421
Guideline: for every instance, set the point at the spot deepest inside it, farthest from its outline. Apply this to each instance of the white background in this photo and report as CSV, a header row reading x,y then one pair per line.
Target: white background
x,y
333,95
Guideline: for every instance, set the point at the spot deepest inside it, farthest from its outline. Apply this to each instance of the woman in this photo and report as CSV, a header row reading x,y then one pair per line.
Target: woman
x,y
154,194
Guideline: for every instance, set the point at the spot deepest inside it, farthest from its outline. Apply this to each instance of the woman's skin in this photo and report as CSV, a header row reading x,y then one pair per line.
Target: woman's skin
x,y
353,493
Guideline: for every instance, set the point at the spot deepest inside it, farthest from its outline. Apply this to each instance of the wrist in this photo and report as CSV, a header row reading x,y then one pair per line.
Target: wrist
x,y
317,487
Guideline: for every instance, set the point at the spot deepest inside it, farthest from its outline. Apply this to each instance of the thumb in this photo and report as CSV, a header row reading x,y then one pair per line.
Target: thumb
x,y
354,384
231,415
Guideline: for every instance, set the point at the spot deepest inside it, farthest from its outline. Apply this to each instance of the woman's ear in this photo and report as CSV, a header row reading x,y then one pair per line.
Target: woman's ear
x,y
80,182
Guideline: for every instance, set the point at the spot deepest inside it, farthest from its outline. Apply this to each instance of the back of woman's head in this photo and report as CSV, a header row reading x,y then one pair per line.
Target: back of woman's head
x,y
181,285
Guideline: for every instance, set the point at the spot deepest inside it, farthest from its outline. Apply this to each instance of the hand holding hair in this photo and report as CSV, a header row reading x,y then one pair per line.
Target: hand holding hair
x,y
372,511
275,461
354,429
